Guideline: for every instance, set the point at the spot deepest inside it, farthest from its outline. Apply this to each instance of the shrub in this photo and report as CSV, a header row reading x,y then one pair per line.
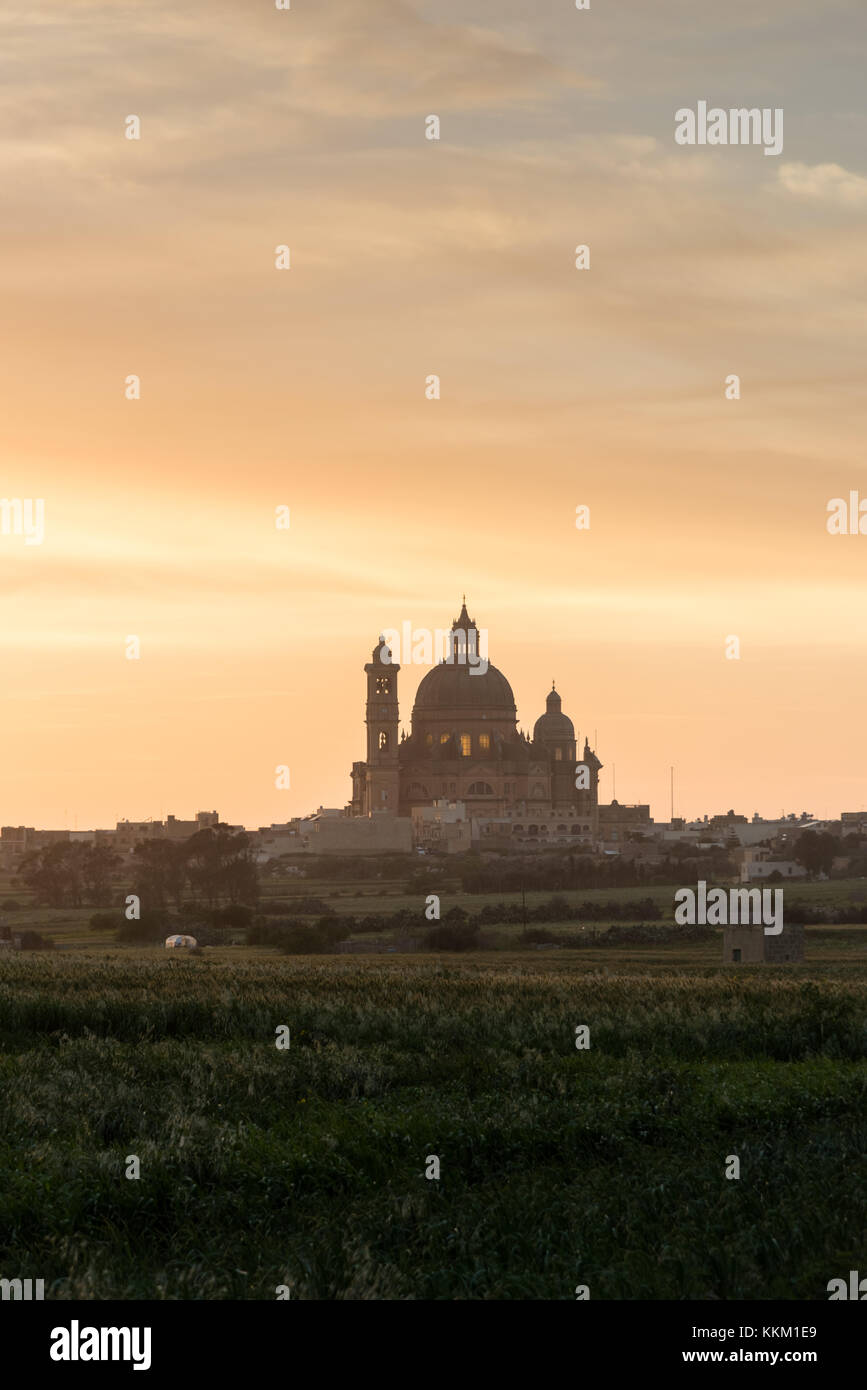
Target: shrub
x,y
311,906
316,940
150,927
35,941
207,935
106,921
537,936
448,936
234,915
264,933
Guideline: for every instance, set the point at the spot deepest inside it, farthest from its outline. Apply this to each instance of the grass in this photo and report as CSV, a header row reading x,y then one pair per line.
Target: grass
x,y
306,1167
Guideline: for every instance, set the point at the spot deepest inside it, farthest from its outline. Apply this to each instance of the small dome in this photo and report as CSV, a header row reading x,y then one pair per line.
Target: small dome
x,y
553,726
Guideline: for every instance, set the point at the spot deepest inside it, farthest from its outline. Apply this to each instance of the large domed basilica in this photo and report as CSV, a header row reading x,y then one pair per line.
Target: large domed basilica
x,y
465,745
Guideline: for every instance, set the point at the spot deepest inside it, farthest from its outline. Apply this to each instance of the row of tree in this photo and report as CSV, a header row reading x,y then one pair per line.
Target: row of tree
x,y
216,865
70,874
570,871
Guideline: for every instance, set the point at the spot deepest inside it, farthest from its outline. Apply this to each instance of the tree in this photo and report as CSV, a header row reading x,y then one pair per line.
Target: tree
x,y
54,874
161,872
221,864
816,851
66,873
97,867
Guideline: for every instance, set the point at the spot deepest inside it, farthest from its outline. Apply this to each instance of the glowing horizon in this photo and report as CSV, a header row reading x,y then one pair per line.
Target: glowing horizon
x,y
305,388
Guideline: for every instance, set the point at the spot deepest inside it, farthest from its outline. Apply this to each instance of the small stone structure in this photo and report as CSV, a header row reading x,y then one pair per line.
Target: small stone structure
x,y
747,945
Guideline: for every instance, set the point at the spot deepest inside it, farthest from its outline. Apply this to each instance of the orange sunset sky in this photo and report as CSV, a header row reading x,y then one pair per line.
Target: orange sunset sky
x,y
306,388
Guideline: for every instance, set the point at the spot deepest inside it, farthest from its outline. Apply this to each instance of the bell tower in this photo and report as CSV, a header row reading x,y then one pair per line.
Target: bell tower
x,y
382,779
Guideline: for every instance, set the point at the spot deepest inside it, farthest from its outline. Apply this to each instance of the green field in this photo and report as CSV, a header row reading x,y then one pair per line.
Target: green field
x,y
305,1167
70,927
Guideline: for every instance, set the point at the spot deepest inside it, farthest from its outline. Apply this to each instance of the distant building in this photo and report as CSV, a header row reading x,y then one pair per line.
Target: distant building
x,y
722,822
183,829
129,833
443,826
747,945
378,833
271,844
465,746
617,823
755,867
18,840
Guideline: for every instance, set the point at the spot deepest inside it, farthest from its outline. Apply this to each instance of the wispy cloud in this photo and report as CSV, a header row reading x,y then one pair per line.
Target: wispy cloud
x,y
829,183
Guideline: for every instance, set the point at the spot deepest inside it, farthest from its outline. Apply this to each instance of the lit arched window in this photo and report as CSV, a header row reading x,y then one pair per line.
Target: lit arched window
x,y
558,755
484,742
428,740
444,738
383,739
466,745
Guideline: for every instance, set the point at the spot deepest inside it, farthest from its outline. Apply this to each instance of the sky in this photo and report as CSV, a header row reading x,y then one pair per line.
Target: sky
x,y
304,388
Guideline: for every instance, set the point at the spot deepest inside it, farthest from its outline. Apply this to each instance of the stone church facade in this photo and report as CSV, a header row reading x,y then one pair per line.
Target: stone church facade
x,y
465,745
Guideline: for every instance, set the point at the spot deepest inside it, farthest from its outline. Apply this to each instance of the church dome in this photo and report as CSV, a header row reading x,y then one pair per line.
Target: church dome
x,y
553,726
462,682
456,686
